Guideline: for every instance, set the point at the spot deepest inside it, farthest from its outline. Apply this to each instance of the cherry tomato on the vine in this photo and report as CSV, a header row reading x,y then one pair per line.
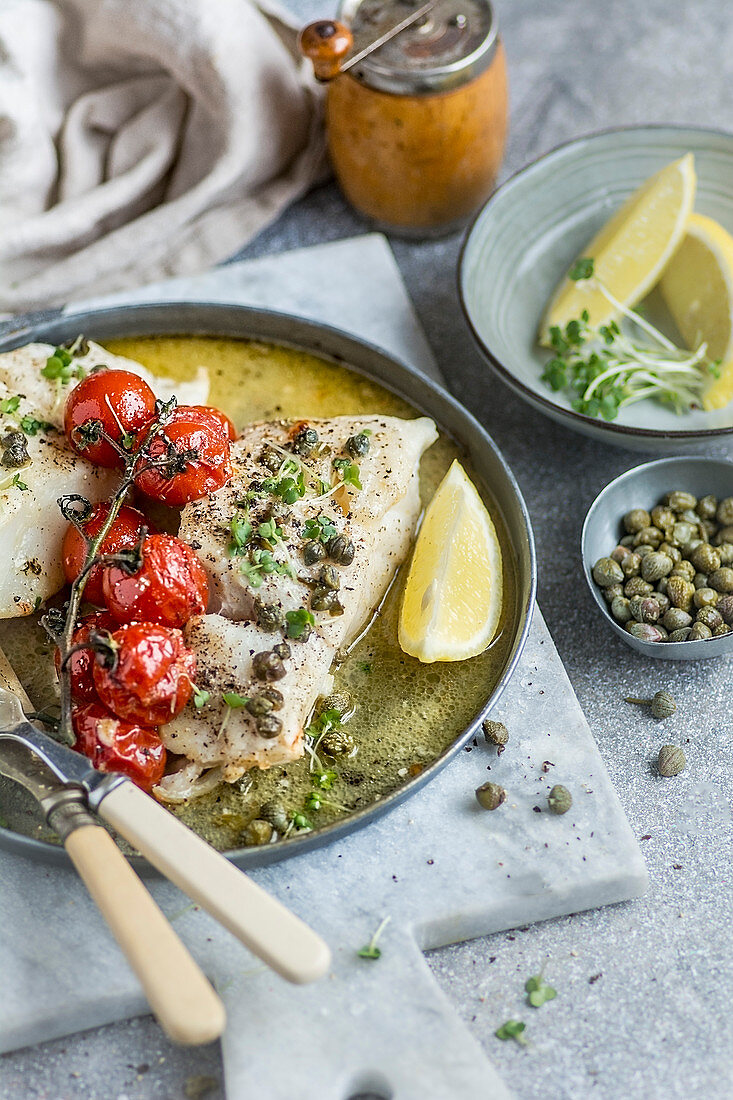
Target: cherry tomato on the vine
x,y
120,400
124,533
114,745
170,586
80,663
229,430
152,678
176,479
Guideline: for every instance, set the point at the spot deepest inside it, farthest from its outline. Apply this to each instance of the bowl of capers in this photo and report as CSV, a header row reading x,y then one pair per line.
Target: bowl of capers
x,y
657,547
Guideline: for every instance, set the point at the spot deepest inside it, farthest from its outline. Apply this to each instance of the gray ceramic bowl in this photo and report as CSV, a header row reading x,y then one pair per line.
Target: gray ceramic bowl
x,y
643,487
526,237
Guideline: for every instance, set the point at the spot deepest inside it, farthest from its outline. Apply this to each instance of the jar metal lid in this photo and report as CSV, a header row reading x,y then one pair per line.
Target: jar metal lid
x,y
449,46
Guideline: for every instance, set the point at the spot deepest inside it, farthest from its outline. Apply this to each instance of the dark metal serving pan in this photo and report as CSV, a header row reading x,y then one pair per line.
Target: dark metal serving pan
x,y
210,319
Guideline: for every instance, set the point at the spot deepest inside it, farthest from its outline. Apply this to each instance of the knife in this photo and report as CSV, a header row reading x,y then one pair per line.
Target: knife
x,y
261,922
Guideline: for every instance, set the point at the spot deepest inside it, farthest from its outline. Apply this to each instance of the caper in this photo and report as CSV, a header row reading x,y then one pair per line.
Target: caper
x,y
663,632
649,536
358,445
559,799
490,796
722,579
700,580
323,599
725,550
671,551
676,619
274,696
341,550
257,832
644,609
710,616
678,500
720,630
627,540
621,610
681,533
268,666
706,507
689,548
495,733
683,569
631,565
725,534
619,553
671,760
661,588
663,601
269,616
269,726
645,632
337,743
699,632
724,513
680,592
636,519
15,450
689,515
725,608
681,635
313,552
271,459
663,517
705,558
340,701
637,587
644,548
607,571
609,594
275,813
328,578
705,597
282,649
305,441
708,528
259,706
655,566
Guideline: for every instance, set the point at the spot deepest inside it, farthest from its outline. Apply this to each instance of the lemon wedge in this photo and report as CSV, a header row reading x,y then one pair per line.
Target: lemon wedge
x,y
453,596
631,250
697,286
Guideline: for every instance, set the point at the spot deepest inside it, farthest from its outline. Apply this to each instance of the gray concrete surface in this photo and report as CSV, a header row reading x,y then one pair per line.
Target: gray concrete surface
x,y
643,988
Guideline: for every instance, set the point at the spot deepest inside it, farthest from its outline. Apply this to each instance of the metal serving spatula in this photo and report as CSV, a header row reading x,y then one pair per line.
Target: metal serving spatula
x,y
67,787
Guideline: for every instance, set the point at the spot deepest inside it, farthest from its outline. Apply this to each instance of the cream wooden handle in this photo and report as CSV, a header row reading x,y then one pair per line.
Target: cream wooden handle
x,y
267,928
186,1006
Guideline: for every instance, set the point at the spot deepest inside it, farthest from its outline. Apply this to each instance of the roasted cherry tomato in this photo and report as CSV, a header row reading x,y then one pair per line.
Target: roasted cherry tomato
x,y
122,401
124,533
168,589
152,679
228,428
80,663
113,745
191,428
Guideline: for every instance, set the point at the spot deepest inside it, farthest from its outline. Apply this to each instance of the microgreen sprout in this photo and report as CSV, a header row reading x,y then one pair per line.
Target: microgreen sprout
x,y
320,528
512,1029
349,472
538,991
9,405
607,368
235,701
200,697
370,950
241,532
20,484
298,622
60,366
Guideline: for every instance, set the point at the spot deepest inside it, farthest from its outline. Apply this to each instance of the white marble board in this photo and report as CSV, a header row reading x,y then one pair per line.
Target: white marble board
x,y
440,868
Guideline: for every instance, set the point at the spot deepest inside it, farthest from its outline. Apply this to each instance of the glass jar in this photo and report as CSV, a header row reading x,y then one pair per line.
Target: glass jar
x,y
417,128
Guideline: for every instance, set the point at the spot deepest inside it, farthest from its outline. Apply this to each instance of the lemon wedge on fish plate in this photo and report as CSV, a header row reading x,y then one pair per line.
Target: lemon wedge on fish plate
x,y
453,595
631,250
697,286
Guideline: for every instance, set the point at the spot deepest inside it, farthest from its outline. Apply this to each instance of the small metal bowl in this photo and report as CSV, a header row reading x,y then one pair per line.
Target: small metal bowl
x,y
643,487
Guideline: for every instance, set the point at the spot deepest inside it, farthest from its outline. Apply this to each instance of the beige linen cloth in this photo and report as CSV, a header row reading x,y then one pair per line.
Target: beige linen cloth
x,y
144,138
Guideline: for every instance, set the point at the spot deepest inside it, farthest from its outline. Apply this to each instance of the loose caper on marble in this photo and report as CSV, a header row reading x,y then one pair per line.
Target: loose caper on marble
x,y
676,566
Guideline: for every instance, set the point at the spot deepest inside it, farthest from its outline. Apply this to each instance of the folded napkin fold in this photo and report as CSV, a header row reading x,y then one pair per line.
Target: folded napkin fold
x,y
144,138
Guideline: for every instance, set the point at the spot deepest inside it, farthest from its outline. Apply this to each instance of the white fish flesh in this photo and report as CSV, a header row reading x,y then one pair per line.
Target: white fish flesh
x,y
378,519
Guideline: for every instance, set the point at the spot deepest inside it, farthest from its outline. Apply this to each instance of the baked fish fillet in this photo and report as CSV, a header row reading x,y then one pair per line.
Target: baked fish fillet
x,y
31,525
250,600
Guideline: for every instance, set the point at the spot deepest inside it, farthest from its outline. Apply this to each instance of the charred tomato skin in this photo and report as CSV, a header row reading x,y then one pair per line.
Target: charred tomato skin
x,y
81,663
122,401
190,428
170,586
124,534
152,679
114,745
